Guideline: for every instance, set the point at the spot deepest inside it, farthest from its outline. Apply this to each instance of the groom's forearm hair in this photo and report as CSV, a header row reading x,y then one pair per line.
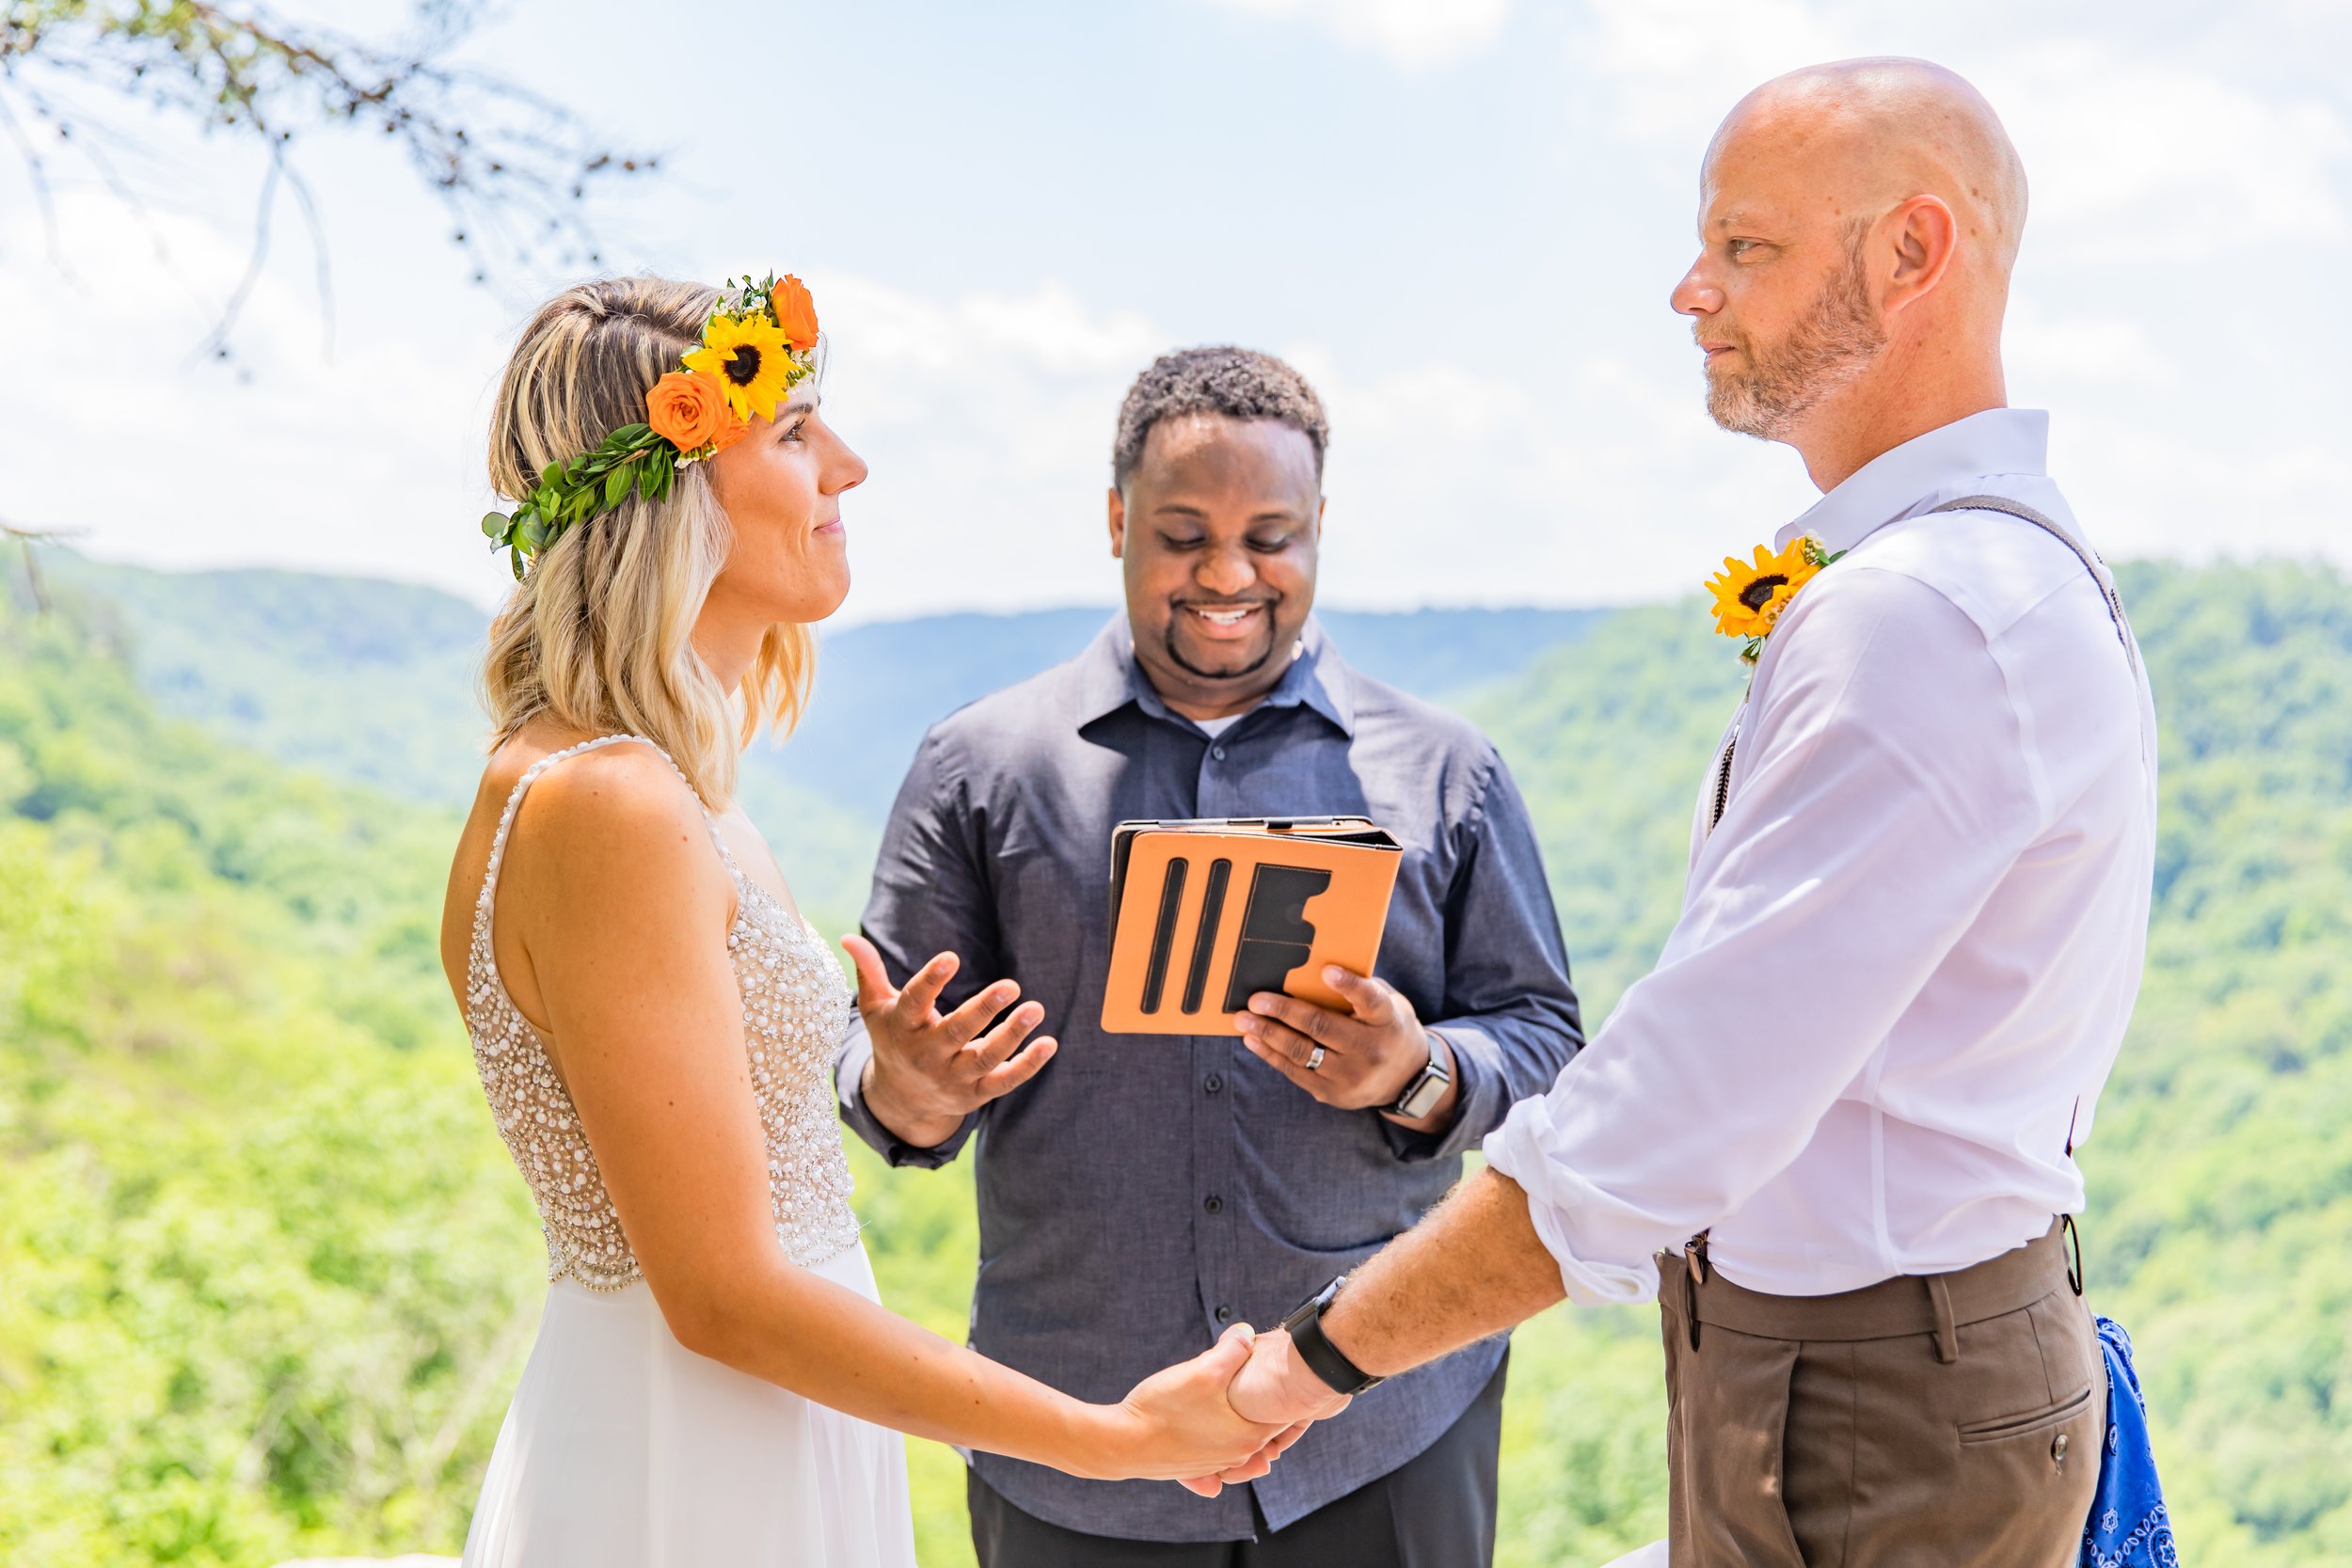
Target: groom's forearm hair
x,y
1472,1268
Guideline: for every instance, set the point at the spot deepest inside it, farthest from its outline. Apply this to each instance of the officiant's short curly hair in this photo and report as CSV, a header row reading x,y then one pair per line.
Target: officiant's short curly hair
x,y
1238,383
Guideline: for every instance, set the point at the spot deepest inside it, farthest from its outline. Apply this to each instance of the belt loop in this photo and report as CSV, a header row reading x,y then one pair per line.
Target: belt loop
x,y
2069,1236
1946,1332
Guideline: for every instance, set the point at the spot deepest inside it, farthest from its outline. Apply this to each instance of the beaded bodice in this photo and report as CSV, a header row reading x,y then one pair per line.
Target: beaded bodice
x,y
795,1007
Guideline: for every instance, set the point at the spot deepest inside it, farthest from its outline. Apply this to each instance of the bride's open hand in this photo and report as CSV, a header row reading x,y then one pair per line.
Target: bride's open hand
x,y
1177,1425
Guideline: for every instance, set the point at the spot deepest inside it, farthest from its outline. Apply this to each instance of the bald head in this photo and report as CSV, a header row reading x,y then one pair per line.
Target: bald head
x,y
1867,134
1857,226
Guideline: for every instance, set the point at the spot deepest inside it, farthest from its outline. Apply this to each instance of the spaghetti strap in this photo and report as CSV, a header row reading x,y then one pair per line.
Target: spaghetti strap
x,y
486,903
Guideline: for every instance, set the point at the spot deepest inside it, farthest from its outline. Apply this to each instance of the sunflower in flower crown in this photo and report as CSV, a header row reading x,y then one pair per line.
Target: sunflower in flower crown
x,y
1749,598
750,358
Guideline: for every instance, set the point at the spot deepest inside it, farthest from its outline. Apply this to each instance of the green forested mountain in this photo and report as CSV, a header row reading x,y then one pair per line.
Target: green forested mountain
x,y
373,682
265,1275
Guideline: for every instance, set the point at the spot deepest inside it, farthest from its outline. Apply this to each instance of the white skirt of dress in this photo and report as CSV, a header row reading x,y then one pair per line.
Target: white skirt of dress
x,y
624,1448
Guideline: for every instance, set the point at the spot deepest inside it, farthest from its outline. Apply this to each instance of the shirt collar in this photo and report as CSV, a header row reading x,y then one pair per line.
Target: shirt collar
x,y
1924,472
1109,679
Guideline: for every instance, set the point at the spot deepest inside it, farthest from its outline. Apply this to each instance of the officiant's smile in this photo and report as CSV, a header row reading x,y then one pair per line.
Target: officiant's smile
x,y
1217,525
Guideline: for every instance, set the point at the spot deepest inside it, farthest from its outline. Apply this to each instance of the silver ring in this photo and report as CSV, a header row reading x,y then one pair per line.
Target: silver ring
x,y
1315,1060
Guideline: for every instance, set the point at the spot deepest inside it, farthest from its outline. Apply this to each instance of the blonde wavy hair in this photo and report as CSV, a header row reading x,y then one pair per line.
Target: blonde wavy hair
x,y
599,634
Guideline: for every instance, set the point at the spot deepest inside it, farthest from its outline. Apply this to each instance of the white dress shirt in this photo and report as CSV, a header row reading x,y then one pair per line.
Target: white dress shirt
x,y
1910,946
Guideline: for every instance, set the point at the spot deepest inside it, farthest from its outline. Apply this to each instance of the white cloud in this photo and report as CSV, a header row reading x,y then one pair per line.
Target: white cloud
x,y
2041,347
987,420
1415,34
2141,491
2127,145
369,462
2127,152
1609,485
1678,66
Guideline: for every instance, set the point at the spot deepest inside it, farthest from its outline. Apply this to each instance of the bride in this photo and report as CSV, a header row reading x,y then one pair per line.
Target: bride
x,y
653,1019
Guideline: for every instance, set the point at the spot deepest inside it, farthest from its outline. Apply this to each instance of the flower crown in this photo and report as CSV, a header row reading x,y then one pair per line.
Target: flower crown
x,y
758,344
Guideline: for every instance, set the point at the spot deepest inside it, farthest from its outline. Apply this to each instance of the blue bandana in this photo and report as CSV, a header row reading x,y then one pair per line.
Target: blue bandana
x,y
2128,1527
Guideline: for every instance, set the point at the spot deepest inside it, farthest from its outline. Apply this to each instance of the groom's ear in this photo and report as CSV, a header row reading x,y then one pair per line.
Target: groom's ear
x,y
1119,524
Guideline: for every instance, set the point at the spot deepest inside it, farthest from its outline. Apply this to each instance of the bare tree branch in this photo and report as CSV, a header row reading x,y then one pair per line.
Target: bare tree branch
x,y
513,169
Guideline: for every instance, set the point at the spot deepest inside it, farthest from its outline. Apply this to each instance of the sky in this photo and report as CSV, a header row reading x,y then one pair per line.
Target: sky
x,y
1461,218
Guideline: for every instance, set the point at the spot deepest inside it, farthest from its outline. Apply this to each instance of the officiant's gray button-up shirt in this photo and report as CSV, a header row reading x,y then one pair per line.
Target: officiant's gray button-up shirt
x,y
1142,1191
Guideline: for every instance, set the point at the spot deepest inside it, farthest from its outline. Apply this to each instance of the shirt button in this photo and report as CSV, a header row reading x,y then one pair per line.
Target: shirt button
x,y
1225,1314
1213,1083
1217,752
1214,1204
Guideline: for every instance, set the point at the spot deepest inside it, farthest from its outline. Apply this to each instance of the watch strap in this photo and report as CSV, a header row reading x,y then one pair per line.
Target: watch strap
x,y
1323,1357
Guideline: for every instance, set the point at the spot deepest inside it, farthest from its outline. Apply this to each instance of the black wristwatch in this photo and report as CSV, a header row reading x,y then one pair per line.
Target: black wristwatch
x,y
1323,1357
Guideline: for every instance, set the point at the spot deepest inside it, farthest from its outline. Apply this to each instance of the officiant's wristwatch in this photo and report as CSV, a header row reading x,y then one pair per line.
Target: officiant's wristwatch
x,y
1323,1357
1422,1095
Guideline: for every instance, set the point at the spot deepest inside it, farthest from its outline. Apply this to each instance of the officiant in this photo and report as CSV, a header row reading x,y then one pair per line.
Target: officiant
x,y
1137,1193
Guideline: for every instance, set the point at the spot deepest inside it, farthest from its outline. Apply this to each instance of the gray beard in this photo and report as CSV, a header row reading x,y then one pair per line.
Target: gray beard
x,y
1826,352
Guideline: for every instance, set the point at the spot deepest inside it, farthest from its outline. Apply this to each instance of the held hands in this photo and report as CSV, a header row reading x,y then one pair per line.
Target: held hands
x,y
929,1070
1368,1055
1273,1388
1274,1384
1178,1425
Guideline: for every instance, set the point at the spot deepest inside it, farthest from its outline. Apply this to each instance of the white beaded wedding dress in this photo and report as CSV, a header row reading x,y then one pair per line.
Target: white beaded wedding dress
x,y
623,1447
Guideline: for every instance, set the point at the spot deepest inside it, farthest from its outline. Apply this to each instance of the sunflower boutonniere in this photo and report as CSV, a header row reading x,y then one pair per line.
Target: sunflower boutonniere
x,y
1749,598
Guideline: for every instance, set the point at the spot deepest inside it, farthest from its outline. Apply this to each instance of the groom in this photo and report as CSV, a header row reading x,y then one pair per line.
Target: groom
x,y
1139,1193
1830,1130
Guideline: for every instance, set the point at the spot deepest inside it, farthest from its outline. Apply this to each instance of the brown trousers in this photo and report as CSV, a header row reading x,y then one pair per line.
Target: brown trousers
x,y
1948,1421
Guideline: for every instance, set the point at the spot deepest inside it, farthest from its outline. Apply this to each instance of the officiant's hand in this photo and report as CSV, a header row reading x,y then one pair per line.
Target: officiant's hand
x,y
930,1071
1361,1059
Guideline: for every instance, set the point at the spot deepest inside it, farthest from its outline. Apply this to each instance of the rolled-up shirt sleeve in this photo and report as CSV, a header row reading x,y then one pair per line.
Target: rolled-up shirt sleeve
x,y
930,896
1867,830
1509,1015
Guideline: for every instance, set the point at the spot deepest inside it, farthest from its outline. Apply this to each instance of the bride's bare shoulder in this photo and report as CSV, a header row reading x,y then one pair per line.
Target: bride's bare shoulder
x,y
618,811
622,800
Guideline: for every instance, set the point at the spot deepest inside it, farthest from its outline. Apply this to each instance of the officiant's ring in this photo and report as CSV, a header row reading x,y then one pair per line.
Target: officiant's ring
x,y
1315,1060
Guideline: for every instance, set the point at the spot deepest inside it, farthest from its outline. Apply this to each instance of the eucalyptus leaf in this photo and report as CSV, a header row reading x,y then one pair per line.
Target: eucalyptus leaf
x,y
494,524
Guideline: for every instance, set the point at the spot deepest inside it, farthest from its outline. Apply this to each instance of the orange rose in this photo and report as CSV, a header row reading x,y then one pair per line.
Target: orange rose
x,y
796,313
687,408
735,430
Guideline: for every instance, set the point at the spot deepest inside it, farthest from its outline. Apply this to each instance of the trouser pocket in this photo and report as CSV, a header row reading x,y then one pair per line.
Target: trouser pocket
x,y
2004,1429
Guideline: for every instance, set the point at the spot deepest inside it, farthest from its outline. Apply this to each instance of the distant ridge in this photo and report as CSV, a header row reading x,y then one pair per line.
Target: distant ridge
x,y
372,681
879,686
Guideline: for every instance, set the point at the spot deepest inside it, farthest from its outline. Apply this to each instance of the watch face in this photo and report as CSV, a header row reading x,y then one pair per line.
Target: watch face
x,y
1423,1096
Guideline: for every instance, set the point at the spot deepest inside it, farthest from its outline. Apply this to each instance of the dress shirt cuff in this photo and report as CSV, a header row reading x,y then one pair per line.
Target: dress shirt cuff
x,y
1478,1103
848,1079
1554,1195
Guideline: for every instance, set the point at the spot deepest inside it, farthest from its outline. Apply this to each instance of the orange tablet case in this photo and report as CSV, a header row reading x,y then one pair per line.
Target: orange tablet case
x,y
1204,914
